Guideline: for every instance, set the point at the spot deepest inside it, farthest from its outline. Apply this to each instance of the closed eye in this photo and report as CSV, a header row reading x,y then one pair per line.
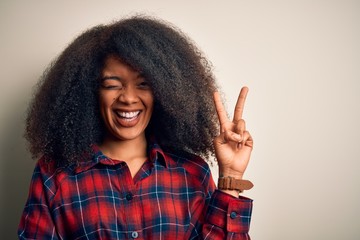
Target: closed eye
x,y
144,85
111,83
110,86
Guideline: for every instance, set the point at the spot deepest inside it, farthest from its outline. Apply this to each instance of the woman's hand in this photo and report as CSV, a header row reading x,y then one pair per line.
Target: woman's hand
x,y
234,144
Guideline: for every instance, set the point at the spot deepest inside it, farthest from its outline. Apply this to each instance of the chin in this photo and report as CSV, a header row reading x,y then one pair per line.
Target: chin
x,y
129,135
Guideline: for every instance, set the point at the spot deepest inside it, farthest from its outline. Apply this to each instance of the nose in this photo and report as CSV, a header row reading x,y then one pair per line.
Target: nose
x,y
128,95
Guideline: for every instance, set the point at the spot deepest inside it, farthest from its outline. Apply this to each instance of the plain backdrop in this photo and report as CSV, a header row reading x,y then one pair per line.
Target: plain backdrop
x,y
301,61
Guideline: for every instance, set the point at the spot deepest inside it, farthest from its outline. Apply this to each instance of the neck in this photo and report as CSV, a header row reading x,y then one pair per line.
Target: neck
x,y
125,150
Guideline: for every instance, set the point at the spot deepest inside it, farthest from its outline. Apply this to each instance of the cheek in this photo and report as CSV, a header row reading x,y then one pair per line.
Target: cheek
x,y
150,107
105,103
106,100
150,101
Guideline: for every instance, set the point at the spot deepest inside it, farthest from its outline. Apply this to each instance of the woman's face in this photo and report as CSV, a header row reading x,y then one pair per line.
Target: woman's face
x,y
126,100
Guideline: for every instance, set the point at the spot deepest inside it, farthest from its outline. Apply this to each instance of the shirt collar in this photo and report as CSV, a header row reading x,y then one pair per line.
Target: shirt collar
x,y
155,153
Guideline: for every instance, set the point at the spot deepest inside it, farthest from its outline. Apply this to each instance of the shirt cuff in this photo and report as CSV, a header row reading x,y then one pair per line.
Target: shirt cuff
x,y
230,213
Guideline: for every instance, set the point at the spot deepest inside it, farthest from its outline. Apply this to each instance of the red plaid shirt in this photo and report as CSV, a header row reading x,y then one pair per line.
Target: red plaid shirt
x,y
171,197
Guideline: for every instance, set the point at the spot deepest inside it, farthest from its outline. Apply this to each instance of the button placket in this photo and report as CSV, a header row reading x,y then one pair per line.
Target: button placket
x,y
130,204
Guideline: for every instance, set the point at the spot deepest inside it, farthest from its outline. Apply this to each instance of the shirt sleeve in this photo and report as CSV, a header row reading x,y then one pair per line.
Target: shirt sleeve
x,y
227,217
36,221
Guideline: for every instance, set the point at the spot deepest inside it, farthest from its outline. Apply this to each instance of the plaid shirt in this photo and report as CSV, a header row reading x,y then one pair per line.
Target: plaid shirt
x,y
171,197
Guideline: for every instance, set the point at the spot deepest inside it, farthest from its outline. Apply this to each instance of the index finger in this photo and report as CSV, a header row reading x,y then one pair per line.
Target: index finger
x,y
239,107
221,112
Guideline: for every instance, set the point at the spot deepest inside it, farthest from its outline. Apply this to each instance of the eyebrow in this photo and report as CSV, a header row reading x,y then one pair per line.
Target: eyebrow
x,y
110,77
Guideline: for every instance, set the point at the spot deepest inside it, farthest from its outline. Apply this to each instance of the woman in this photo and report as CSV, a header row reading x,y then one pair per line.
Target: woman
x,y
122,121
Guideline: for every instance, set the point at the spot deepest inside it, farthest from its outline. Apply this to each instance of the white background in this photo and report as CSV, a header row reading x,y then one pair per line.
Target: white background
x,y
301,61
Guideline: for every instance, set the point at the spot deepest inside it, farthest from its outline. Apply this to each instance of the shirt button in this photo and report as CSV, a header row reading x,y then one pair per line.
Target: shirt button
x,y
134,235
129,196
233,215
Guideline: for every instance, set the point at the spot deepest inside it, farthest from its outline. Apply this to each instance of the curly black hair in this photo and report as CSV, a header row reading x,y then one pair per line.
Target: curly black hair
x,y
64,120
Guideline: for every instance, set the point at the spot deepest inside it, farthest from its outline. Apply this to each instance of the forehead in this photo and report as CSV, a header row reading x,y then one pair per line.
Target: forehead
x,y
114,65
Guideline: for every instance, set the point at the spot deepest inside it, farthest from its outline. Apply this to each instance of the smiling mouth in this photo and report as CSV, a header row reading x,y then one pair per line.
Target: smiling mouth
x,y
128,116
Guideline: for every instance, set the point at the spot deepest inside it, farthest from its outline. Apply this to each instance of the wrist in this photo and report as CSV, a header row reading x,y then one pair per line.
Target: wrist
x,y
225,172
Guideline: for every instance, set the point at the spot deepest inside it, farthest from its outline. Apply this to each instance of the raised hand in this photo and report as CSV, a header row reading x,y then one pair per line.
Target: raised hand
x,y
234,144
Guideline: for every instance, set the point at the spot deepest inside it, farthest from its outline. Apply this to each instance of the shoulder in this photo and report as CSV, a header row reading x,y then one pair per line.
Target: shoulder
x,y
49,175
48,167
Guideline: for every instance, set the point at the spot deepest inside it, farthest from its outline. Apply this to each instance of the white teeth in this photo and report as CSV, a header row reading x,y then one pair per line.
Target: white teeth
x,y
128,114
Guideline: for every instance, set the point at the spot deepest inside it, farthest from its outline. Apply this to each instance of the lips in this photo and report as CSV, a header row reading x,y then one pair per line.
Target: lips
x,y
127,118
